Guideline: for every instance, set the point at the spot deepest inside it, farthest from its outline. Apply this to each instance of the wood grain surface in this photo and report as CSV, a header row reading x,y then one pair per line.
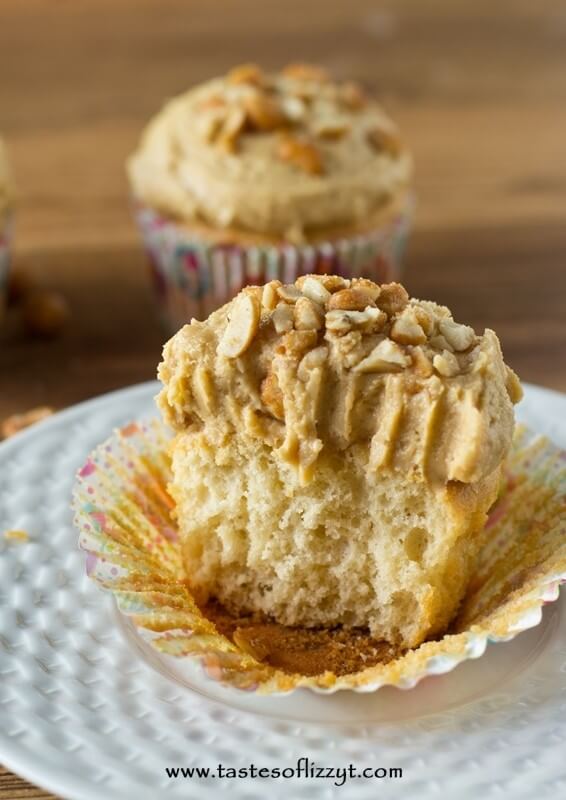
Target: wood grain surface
x,y
479,89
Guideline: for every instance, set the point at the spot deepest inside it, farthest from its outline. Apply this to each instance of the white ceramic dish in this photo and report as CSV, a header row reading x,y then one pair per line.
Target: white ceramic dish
x,y
87,712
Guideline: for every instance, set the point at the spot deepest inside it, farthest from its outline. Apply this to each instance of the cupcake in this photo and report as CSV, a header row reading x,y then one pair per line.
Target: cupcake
x,y
254,177
5,226
337,448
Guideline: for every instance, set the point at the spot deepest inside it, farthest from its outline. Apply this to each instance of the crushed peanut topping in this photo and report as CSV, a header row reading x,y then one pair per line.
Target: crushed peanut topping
x,y
328,307
253,102
242,326
246,73
385,142
351,300
305,72
264,113
230,129
301,154
332,129
272,396
353,96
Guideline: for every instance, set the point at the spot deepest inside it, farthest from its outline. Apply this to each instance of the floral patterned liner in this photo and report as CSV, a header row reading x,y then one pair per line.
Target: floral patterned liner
x,y
192,277
123,513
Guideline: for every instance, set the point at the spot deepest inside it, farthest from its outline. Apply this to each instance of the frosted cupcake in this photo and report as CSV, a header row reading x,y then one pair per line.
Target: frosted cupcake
x,y
253,177
5,225
338,448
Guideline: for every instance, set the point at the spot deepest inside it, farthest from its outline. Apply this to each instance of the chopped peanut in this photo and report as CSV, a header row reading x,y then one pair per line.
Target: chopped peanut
x,y
242,326
301,154
350,300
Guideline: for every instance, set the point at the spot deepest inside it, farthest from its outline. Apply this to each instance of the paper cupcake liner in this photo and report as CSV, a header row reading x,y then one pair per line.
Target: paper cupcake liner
x,y
124,515
192,277
5,240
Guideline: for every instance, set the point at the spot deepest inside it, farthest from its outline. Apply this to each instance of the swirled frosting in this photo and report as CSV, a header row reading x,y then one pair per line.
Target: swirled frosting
x,y
285,155
336,364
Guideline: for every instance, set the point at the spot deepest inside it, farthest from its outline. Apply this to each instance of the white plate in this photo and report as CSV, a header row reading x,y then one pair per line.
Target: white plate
x,y
88,713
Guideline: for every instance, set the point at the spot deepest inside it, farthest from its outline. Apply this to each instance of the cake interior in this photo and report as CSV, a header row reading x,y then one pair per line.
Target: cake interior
x,y
383,553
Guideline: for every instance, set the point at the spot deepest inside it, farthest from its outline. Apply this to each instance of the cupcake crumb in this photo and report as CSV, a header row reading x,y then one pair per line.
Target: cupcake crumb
x,y
16,536
17,422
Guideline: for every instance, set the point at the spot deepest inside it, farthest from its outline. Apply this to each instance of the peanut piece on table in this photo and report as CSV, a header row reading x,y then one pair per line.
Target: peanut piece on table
x,y
17,422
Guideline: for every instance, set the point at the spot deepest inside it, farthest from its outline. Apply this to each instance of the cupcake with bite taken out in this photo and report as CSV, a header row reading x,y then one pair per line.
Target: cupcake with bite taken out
x,y
318,518
258,176
338,446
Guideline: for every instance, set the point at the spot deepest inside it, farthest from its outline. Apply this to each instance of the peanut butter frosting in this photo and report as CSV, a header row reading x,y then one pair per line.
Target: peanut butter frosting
x,y
284,155
331,364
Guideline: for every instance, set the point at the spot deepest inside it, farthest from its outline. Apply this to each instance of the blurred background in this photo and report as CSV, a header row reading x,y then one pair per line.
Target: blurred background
x,y
478,89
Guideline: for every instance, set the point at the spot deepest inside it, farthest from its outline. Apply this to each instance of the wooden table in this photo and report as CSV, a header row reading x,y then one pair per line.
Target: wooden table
x,y
479,90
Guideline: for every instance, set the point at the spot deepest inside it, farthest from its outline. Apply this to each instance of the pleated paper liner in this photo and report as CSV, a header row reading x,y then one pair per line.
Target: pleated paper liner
x,y
193,275
123,511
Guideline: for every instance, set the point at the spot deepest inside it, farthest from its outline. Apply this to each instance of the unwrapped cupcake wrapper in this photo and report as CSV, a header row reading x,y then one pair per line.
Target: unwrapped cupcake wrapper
x,y
124,515
5,240
193,277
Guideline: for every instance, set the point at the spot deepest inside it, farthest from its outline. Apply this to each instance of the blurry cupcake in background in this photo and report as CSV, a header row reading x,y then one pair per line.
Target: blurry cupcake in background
x,y
253,177
5,226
